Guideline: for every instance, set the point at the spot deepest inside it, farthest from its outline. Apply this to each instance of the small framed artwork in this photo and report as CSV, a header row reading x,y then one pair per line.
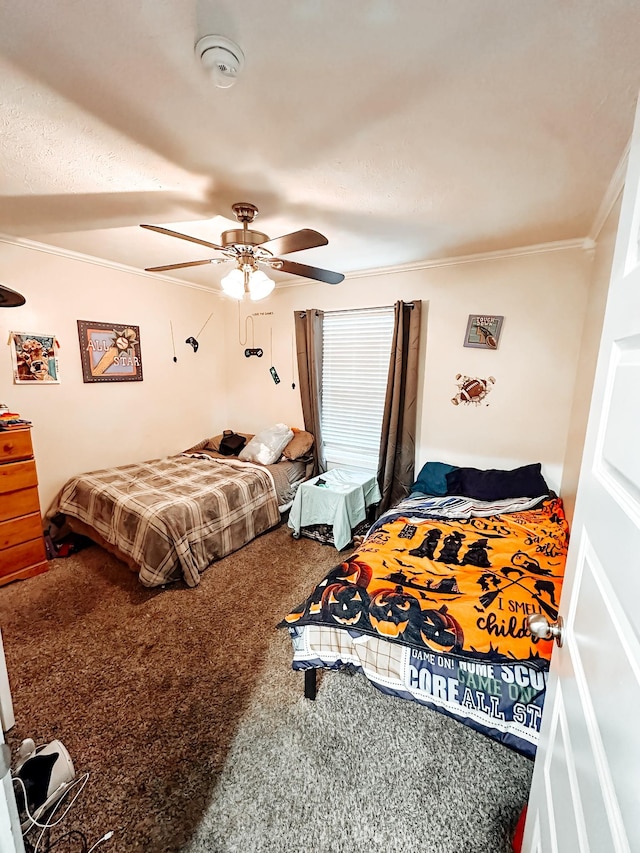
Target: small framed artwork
x,y
110,352
483,331
34,358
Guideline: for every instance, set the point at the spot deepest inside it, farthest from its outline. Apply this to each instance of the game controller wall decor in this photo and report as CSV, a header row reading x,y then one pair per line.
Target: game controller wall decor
x,y
34,358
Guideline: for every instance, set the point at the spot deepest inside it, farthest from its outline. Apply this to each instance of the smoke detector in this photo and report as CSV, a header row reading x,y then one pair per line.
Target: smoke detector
x,y
222,59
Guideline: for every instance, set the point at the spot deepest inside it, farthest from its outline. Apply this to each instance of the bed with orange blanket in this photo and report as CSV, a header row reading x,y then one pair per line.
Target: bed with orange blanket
x,y
433,607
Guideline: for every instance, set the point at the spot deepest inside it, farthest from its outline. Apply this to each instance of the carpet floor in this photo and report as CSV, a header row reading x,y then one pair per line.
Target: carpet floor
x,y
183,707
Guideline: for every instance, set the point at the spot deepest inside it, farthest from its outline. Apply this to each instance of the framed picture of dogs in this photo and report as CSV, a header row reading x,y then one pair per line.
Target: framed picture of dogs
x,y
34,358
110,352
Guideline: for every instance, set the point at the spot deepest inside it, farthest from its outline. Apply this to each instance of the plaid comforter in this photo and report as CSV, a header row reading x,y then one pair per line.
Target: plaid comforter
x,y
174,516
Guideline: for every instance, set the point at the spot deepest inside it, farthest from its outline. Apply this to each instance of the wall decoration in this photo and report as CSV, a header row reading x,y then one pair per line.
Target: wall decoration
x,y
472,390
34,358
110,352
193,341
483,331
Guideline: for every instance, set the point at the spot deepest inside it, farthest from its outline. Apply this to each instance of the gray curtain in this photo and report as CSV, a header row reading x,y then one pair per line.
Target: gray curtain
x,y
396,468
308,328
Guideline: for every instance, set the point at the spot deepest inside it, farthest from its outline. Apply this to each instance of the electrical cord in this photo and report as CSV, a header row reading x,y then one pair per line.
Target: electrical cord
x,y
45,828
104,838
45,834
79,780
68,838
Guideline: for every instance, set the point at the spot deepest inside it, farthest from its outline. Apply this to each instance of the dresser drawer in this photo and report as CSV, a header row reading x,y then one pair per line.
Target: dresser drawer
x,y
15,445
21,556
19,503
16,476
20,530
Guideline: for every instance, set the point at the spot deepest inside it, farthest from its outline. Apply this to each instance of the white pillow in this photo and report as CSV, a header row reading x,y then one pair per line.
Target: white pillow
x,y
266,447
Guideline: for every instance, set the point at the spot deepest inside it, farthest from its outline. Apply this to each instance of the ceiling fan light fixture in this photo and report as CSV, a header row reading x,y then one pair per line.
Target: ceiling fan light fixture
x,y
222,59
260,285
233,284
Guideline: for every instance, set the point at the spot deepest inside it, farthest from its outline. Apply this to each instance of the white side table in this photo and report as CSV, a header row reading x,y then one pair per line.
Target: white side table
x,y
339,497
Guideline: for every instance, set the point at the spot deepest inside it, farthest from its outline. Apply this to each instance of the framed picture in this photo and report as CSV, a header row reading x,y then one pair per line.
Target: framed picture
x,y
483,331
110,352
34,358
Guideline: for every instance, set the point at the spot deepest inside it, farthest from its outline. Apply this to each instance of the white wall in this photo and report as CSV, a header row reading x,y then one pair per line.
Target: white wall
x,y
543,297
81,427
590,343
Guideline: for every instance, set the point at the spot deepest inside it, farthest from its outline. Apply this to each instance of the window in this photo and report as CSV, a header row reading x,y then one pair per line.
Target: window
x,y
355,365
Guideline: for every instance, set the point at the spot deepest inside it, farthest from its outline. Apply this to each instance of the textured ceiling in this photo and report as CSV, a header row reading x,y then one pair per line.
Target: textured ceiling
x,y
404,131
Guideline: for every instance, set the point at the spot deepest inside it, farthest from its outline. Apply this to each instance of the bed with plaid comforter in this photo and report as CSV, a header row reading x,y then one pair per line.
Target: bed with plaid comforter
x,y
175,516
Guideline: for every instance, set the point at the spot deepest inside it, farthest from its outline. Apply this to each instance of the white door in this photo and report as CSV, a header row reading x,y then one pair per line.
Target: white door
x,y
10,835
586,783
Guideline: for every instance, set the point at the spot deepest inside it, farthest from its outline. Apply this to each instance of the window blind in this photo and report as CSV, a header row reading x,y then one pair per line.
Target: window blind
x,y
356,348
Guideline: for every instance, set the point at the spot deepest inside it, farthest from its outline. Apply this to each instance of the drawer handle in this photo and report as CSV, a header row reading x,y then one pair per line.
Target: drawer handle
x,y
8,448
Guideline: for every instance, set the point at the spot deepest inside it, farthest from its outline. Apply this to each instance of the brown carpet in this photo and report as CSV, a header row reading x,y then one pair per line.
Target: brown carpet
x,y
182,705
144,687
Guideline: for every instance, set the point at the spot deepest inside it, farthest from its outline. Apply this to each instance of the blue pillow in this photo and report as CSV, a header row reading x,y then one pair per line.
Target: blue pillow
x,y
432,479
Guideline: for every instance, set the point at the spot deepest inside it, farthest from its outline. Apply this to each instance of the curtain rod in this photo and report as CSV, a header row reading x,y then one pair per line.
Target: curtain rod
x,y
357,310
362,310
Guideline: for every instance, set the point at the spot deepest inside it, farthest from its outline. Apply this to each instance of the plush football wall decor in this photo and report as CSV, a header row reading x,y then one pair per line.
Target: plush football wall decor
x,y
472,389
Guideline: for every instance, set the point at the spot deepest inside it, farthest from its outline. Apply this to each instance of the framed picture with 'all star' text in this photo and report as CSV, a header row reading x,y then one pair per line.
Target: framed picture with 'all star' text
x,y
110,352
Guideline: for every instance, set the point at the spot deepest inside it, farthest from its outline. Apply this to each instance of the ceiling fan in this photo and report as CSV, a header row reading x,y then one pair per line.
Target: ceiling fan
x,y
250,250
10,298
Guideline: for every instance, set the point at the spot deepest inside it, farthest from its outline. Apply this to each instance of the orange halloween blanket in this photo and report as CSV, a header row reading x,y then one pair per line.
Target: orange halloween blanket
x,y
461,586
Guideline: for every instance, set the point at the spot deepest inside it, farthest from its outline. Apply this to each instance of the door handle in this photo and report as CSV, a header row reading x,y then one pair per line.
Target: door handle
x,y
540,627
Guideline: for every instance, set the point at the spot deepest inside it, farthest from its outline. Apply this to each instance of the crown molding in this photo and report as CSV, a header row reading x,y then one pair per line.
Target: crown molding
x,y
613,191
584,243
537,249
47,249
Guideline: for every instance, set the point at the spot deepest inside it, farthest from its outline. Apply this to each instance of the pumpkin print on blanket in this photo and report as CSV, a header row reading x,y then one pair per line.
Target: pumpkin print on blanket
x,y
459,586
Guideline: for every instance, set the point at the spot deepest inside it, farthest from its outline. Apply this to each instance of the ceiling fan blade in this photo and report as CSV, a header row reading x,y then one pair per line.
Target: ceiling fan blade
x,y
310,272
10,298
183,237
306,238
178,266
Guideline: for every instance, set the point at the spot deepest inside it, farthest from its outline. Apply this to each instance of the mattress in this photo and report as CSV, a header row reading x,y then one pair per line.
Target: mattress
x,y
173,517
433,607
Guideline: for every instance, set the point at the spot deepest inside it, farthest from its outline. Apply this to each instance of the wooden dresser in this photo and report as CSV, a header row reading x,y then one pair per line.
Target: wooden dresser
x,y
22,552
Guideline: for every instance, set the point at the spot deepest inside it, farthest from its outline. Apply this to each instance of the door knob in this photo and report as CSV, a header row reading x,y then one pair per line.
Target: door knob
x,y
540,627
